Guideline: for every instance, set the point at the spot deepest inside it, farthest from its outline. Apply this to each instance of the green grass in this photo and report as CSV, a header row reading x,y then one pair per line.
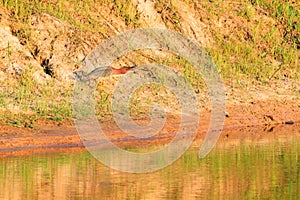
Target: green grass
x,y
261,43
30,101
259,50
127,10
170,16
77,13
287,14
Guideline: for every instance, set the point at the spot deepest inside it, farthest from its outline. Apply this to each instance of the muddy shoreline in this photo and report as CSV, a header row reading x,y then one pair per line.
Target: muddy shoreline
x,y
245,120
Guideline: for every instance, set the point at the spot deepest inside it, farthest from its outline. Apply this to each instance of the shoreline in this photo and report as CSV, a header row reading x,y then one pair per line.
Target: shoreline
x,y
50,137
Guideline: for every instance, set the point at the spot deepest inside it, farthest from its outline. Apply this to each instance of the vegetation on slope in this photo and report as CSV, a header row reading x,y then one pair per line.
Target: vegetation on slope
x,y
252,42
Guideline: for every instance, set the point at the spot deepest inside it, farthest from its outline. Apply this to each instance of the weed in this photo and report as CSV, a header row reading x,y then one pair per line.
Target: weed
x,y
169,14
127,10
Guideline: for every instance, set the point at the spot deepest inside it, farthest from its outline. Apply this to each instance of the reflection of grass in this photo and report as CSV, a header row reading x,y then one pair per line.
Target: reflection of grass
x,y
244,171
251,171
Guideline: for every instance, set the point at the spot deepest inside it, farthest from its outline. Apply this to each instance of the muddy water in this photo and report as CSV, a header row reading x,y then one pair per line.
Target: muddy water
x,y
243,169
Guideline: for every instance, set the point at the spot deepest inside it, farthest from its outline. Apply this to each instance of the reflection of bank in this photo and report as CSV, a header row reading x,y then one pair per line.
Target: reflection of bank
x,y
239,167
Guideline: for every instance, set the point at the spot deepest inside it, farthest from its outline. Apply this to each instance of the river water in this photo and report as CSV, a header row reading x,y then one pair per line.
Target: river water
x,y
235,169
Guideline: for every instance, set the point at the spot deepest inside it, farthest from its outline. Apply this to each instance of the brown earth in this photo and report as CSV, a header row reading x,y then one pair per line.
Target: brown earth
x,y
55,48
246,120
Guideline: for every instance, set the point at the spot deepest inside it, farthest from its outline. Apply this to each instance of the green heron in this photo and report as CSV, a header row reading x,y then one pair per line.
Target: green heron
x,y
102,71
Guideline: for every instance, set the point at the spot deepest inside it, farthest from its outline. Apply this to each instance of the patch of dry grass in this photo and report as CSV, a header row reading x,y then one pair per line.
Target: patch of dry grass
x,y
252,41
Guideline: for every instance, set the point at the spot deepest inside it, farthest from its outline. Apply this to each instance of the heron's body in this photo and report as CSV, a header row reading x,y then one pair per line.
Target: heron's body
x,y
102,72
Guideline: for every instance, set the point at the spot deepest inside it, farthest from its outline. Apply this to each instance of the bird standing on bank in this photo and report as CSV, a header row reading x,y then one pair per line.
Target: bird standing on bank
x,y
103,72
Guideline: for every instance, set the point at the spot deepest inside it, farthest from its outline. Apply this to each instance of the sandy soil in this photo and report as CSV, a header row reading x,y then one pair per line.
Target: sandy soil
x,y
245,121
56,49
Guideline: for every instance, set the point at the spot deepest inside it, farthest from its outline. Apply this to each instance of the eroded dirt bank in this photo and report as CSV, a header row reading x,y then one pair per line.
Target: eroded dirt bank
x,y
257,54
251,120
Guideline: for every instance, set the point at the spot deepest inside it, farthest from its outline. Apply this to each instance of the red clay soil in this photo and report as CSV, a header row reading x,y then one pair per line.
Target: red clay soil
x,y
272,117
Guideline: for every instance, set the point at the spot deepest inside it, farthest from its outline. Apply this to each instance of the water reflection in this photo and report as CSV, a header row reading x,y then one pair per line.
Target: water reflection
x,y
248,170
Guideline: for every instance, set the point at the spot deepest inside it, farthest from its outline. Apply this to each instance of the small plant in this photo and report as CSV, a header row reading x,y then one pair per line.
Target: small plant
x,y
169,14
247,12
